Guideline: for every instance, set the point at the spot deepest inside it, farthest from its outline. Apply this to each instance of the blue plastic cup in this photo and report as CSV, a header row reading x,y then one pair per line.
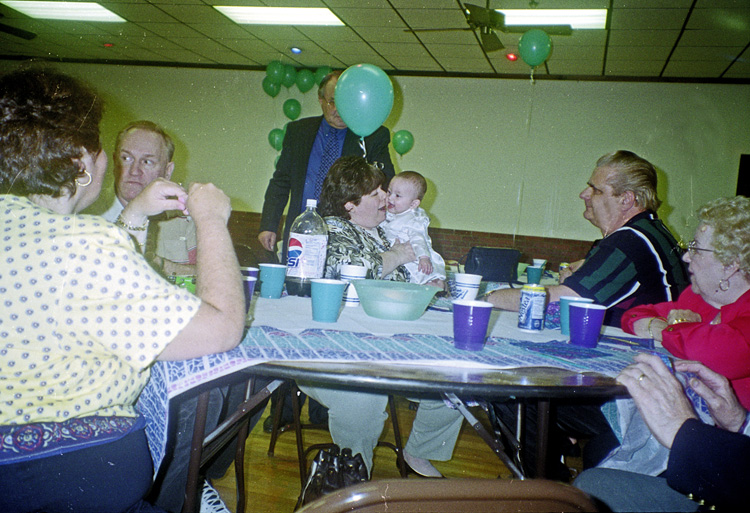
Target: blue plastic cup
x,y
565,302
534,274
272,280
326,299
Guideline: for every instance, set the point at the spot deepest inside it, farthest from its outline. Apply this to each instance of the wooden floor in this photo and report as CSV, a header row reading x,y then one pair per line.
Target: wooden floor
x,y
273,483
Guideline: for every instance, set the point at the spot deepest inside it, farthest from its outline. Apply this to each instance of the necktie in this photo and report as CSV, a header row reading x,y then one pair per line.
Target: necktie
x,y
326,161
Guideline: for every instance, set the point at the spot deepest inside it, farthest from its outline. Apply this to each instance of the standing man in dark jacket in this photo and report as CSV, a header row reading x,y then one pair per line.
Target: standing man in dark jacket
x,y
311,145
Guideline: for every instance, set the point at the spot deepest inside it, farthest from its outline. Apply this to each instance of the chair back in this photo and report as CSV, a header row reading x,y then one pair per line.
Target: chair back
x,y
453,496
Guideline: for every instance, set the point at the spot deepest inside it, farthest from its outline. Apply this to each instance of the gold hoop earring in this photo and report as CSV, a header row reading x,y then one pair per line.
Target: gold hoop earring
x,y
87,183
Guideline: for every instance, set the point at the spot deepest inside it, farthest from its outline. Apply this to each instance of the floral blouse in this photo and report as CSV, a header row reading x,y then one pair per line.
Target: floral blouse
x,y
349,243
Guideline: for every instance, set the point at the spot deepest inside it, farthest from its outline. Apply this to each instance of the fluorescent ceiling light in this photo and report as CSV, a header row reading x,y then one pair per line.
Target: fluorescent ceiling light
x,y
279,15
576,18
73,11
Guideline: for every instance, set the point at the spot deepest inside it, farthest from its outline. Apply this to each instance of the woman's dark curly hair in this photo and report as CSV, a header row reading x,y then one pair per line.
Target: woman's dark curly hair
x,y
349,179
46,121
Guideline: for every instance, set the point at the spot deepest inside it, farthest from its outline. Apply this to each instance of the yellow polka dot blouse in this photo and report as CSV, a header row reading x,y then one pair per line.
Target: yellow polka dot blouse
x,y
82,315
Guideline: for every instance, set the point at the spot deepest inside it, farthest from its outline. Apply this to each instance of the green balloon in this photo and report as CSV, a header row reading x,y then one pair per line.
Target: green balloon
x,y
290,76
276,138
321,73
292,108
305,80
402,141
534,47
275,71
270,87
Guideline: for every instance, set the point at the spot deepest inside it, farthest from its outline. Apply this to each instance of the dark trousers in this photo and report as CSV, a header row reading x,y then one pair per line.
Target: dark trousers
x,y
169,489
108,478
577,419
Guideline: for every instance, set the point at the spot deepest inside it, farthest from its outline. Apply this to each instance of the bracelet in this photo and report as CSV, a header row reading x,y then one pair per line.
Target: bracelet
x,y
650,333
124,224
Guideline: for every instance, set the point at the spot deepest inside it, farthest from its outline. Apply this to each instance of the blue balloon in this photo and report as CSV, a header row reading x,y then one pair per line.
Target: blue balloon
x,y
364,98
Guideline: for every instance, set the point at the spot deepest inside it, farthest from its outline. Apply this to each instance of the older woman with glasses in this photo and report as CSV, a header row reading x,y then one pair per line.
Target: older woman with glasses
x,y
710,321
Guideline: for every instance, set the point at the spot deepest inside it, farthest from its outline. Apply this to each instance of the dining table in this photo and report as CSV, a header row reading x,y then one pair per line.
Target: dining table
x,y
412,358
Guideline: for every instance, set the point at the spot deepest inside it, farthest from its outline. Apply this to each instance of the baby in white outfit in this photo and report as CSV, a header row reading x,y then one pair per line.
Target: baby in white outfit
x,y
405,220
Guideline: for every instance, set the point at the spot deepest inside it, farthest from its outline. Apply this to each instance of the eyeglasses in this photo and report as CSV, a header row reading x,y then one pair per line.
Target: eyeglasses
x,y
330,103
692,248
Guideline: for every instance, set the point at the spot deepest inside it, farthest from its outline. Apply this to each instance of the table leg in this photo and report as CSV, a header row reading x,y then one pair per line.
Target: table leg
x,y
494,444
542,436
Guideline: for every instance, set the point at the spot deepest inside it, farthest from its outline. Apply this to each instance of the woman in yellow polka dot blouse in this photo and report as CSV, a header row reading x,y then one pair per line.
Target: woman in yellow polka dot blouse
x,y
82,315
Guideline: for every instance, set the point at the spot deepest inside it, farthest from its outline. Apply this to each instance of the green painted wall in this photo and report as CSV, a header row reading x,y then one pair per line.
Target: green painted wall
x,y
503,156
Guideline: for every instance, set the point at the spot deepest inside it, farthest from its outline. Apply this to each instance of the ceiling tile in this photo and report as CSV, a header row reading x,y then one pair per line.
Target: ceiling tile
x,y
632,68
138,12
643,37
701,53
196,14
386,35
215,30
439,51
574,67
738,70
175,30
706,69
721,19
714,38
654,19
638,53
476,65
356,17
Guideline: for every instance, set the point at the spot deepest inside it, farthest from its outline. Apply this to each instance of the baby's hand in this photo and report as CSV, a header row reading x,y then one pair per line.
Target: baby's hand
x,y
425,265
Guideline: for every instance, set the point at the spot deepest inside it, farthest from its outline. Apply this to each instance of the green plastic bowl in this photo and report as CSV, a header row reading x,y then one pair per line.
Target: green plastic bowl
x,y
394,300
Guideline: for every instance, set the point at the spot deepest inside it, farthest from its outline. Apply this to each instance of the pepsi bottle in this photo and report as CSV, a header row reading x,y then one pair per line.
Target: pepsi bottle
x,y
306,253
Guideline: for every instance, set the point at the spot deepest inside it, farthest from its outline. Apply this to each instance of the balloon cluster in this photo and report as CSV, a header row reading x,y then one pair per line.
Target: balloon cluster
x,y
278,74
364,99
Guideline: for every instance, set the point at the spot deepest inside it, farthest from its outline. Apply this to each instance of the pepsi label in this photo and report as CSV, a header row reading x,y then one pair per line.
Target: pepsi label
x,y
306,256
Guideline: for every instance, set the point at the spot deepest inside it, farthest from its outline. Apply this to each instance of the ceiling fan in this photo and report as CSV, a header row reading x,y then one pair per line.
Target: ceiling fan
x,y
488,21
13,31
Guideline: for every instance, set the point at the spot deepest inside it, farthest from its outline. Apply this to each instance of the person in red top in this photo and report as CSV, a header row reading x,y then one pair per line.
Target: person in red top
x,y
710,321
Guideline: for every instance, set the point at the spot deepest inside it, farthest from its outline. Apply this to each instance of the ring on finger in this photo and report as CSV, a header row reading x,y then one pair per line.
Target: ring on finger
x,y
641,377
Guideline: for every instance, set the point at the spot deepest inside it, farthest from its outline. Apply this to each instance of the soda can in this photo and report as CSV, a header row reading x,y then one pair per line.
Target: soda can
x,y
531,308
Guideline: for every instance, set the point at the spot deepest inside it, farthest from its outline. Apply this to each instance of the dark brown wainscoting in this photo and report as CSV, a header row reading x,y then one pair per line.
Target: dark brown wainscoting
x,y
451,244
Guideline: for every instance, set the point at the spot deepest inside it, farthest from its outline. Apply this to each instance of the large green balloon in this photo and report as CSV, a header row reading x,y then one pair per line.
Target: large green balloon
x,y
534,47
270,87
321,73
290,76
364,98
402,141
305,80
292,108
275,71
276,138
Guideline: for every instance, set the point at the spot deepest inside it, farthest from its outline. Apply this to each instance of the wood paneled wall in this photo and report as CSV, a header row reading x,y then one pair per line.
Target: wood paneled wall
x,y
451,244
